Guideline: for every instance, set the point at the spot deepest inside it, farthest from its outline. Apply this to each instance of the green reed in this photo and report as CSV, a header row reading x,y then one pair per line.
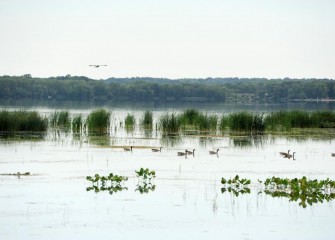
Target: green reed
x,y
170,122
98,121
129,120
60,119
147,119
21,121
77,123
245,122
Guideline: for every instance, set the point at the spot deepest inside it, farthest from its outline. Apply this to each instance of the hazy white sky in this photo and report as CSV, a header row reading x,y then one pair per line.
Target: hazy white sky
x,y
168,38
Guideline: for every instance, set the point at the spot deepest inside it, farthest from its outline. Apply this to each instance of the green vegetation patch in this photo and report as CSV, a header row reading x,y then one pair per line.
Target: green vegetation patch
x,y
98,121
112,183
22,121
304,190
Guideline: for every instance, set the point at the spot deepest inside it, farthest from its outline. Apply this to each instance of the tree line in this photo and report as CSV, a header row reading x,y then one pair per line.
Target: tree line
x,y
79,88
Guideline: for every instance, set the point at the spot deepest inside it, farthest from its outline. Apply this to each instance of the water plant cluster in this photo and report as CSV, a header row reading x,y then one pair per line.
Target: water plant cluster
x,y
22,121
99,121
112,183
304,190
145,185
236,185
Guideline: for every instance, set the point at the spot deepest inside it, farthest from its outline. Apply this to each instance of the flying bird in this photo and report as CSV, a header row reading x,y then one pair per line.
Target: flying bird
x,y
97,65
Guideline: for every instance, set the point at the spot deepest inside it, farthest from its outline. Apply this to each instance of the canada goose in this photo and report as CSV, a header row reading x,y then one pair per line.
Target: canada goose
x,y
190,152
289,156
214,152
182,153
156,149
284,154
128,149
97,65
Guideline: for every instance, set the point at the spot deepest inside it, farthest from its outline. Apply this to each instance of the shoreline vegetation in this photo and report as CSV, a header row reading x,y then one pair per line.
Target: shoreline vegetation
x,y
162,90
191,120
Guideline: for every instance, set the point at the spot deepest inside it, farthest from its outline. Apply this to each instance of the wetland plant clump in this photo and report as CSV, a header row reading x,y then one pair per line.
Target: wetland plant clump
x,y
77,123
285,120
112,183
245,122
98,121
304,190
147,119
60,119
22,121
145,176
236,185
170,123
129,120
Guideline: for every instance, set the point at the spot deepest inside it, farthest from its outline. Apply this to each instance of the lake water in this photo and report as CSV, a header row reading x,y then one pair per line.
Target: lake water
x,y
187,202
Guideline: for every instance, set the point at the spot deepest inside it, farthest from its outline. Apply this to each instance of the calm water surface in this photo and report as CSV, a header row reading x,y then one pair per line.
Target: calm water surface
x,y
187,202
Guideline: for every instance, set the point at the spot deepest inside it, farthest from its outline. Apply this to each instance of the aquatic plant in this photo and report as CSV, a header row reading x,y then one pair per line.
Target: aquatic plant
x,y
235,185
304,190
145,187
147,119
98,121
129,120
170,123
60,119
246,122
77,123
206,122
189,116
111,183
22,121
145,174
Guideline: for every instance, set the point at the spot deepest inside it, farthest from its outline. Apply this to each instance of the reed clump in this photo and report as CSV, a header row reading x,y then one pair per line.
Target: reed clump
x,y
170,123
77,123
147,119
60,119
245,122
285,120
21,121
98,121
129,120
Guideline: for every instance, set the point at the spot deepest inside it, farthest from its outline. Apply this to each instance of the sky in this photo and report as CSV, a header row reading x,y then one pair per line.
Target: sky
x,y
168,38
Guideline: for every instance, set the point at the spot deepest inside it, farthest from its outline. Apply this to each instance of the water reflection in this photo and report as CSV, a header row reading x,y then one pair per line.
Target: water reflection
x,y
145,187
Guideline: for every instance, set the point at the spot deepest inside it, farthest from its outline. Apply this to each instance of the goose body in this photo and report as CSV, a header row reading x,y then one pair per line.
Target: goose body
x,y
190,152
97,65
289,156
284,154
182,153
214,152
156,149
128,149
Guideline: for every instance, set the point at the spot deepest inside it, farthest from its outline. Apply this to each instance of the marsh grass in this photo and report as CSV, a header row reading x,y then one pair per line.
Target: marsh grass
x,y
206,122
147,119
170,123
245,122
77,123
60,119
283,120
98,121
22,121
